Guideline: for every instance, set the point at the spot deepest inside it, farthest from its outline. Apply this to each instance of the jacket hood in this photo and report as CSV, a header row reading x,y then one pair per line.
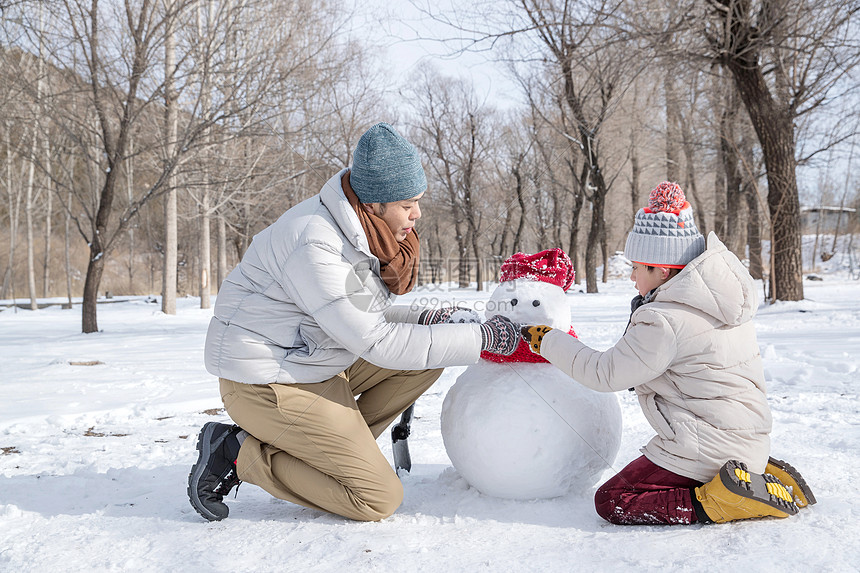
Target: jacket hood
x,y
716,283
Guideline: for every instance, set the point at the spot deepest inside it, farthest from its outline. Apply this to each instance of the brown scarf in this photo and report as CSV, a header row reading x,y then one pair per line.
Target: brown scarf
x,y
398,260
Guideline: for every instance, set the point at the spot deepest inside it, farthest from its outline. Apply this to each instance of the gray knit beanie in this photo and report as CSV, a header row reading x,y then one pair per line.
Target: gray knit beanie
x,y
386,167
664,234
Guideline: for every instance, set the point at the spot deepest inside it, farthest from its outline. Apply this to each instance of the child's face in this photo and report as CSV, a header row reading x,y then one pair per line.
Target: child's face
x,y
648,278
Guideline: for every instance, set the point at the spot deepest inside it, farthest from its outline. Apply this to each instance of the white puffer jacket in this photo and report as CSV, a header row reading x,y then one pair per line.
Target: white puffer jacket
x,y
692,356
306,302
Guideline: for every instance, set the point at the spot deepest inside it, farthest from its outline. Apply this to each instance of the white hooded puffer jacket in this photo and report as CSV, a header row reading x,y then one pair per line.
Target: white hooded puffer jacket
x,y
306,302
694,361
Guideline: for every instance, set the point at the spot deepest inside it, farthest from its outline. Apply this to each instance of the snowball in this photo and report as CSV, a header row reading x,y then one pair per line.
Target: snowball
x,y
525,431
464,315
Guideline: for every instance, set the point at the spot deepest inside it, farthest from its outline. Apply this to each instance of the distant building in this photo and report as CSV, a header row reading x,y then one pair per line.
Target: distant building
x,y
824,219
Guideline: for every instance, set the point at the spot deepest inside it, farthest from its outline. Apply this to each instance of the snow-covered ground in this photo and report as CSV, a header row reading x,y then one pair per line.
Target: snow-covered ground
x,y
97,434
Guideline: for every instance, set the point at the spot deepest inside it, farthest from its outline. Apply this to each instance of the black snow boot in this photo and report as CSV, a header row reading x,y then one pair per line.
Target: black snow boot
x,y
214,474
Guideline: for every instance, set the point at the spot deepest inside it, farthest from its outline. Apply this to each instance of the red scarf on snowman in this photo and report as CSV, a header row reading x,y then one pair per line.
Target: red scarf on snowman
x,y
551,266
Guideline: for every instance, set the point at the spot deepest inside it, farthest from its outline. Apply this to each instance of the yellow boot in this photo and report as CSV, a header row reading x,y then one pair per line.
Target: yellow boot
x,y
792,480
737,494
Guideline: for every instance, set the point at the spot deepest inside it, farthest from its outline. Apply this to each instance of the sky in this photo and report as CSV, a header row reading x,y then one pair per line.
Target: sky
x,y
409,37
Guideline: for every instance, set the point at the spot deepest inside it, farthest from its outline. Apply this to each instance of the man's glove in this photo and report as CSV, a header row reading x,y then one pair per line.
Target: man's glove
x,y
435,315
534,336
448,314
499,336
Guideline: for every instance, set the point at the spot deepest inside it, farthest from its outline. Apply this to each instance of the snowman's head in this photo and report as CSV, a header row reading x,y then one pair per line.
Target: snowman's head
x,y
531,289
527,301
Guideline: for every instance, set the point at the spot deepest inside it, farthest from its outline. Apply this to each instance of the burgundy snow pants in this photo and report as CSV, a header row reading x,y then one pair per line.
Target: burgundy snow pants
x,y
643,493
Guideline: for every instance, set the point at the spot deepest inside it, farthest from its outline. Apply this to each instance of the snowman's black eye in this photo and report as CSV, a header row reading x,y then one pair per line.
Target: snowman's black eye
x,y
535,303
514,302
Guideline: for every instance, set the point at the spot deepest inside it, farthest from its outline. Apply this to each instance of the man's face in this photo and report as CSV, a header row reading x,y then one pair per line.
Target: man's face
x,y
400,216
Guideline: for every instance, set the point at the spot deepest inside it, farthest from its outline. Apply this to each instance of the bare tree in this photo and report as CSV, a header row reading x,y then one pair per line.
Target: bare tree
x,y
691,146
171,128
13,206
731,167
318,98
115,48
787,59
517,142
443,107
593,73
35,146
113,86
673,125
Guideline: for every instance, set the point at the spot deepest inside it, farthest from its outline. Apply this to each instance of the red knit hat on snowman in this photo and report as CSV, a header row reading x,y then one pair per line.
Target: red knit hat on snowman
x,y
551,266
664,233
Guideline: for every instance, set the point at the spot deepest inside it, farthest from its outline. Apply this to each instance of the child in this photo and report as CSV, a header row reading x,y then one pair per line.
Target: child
x,y
690,353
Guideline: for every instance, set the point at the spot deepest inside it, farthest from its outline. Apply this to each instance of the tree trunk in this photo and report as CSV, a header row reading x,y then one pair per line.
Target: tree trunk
x,y
720,86
633,153
518,236
205,252
756,267
464,268
46,271
595,232
604,250
775,129
848,174
204,241
169,274
245,235
67,250
222,250
129,180
113,144
557,219
479,267
434,251
14,208
690,185
29,206
95,268
578,202
454,205
541,219
673,160
720,207
588,133
28,222
467,181
635,175
731,172
168,281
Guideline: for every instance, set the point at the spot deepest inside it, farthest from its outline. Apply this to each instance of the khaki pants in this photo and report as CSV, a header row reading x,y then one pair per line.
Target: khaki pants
x,y
315,444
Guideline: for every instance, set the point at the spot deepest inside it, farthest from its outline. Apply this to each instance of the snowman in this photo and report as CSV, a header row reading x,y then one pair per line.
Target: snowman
x,y
516,426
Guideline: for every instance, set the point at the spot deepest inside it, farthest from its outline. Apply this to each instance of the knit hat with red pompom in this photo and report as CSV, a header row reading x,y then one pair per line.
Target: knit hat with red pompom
x,y
550,266
664,233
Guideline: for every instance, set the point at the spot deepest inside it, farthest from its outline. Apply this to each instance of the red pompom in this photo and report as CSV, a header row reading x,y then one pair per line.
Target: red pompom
x,y
666,198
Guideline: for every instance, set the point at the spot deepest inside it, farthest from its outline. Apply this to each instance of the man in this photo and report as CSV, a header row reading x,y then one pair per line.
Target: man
x,y
304,324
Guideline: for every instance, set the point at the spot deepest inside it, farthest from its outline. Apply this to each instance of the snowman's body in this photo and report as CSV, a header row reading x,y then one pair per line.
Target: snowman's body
x,y
525,430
